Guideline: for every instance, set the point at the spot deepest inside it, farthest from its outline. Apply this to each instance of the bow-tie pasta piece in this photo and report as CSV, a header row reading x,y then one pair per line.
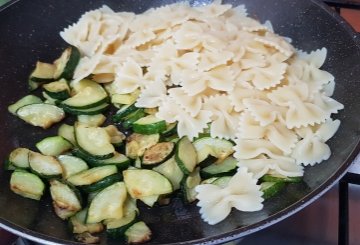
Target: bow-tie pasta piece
x,y
225,119
241,193
312,149
261,165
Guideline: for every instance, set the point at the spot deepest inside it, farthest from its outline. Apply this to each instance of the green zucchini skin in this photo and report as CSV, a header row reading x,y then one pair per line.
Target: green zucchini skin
x,y
101,184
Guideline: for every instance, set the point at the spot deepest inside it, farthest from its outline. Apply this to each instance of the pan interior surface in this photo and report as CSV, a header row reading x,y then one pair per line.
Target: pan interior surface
x,y
30,32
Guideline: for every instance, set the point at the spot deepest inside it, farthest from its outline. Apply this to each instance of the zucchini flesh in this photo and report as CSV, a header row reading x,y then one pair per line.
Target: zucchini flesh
x,y
171,129
91,111
92,175
137,144
107,204
215,147
143,182
20,157
189,184
64,198
88,94
226,167
71,165
45,166
171,170
65,65
27,100
101,184
138,233
27,185
116,228
125,99
185,155
42,115
43,73
78,224
119,160
275,177
270,189
87,238
133,117
53,146
149,125
222,181
58,90
92,120
158,153
116,137
123,112
150,200
94,141
67,132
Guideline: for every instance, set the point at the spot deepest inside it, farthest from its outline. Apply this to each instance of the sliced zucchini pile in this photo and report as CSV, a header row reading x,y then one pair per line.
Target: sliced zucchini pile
x,y
96,173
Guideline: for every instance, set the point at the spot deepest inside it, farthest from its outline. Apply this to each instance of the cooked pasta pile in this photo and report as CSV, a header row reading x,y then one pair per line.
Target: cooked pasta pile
x,y
214,68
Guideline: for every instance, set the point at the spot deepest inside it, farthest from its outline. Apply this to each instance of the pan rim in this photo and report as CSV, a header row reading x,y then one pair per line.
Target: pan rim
x,y
245,230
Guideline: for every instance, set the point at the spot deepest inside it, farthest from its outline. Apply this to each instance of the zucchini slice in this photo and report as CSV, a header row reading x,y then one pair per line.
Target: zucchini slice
x,y
149,125
107,204
92,120
188,185
138,233
94,141
119,160
101,184
185,155
275,177
270,189
116,136
150,200
123,112
143,182
92,175
128,121
222,181
207,146
27,185
20,158
44,166
91,111
42,115
27,100
43,73
224,168
171,129
71,165
67,132
78,224
116,228
158,153
87,238
125,99
53,146
66,199
137,144
65,65
8,165
171,170
88,94
58,90
49,100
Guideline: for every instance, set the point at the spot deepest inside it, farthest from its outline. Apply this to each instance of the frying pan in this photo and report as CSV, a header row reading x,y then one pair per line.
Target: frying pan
x,y
29,32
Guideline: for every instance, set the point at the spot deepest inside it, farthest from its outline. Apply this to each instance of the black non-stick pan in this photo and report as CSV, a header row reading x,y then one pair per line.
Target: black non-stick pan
x,y
29,32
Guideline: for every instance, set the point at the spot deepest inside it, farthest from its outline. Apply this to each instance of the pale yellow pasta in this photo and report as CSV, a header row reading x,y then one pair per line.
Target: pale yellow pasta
x,y
215,69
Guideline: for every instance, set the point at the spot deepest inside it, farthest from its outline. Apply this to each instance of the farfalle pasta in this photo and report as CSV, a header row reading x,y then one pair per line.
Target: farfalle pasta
x,y
213,69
